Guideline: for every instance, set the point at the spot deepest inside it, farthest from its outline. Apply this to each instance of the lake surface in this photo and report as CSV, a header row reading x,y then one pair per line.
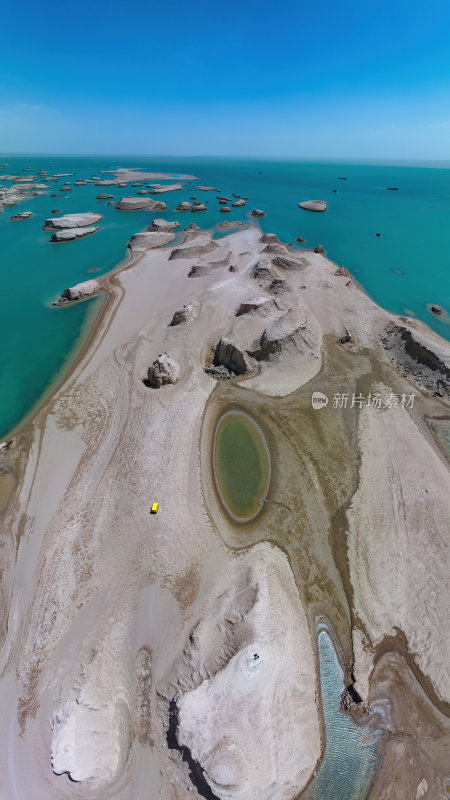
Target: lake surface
x,y
403,270
241,465
349,761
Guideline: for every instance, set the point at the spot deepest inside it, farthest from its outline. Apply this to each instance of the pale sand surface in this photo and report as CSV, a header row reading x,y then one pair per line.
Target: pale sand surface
x,y
399,525
102,599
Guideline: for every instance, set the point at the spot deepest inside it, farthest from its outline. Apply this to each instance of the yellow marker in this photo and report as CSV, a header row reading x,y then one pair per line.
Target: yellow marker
x,y
154,508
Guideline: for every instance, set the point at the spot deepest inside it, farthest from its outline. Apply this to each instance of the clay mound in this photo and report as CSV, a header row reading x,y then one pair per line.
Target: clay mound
x,y
314,205
276,248
70,234
270,238
164,370
183,315
192,228
297,331
289,263
136,203
71,221
162,225
194,251
279,287
229,355
199,270
150,239
78,292
262,271
258,305
172,187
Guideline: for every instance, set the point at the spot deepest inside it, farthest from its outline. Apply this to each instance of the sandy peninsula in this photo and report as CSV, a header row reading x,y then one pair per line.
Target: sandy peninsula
x,y
175,655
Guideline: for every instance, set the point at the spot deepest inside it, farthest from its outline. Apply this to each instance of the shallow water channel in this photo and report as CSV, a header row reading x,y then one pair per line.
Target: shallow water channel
x,y
241,463
349,761
441,429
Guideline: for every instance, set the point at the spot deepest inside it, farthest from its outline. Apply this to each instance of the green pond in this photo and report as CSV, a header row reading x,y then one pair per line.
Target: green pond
x,y
241,465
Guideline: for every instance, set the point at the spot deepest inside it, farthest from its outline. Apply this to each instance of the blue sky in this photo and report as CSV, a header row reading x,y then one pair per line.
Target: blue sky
x,y
322,78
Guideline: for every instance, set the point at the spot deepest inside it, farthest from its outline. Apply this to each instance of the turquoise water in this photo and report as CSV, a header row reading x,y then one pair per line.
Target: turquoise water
x,y
349,759
405,269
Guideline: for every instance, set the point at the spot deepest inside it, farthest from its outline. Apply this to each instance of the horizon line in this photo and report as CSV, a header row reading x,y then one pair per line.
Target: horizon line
x,y
323,159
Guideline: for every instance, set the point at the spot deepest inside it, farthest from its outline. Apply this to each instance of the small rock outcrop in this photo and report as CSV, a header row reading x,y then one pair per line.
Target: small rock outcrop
x,y
192,228
238,203
185,205
183,315
150,239
222,198
105,197
71,221
258,213
70,234
437,310
171,187
279,287
162,225
136,203
220,373
314,205
21,215
262,271
273,247
270,238
199,207
319,249
342,271
78,292
228,355
289,264
164,370
225,209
